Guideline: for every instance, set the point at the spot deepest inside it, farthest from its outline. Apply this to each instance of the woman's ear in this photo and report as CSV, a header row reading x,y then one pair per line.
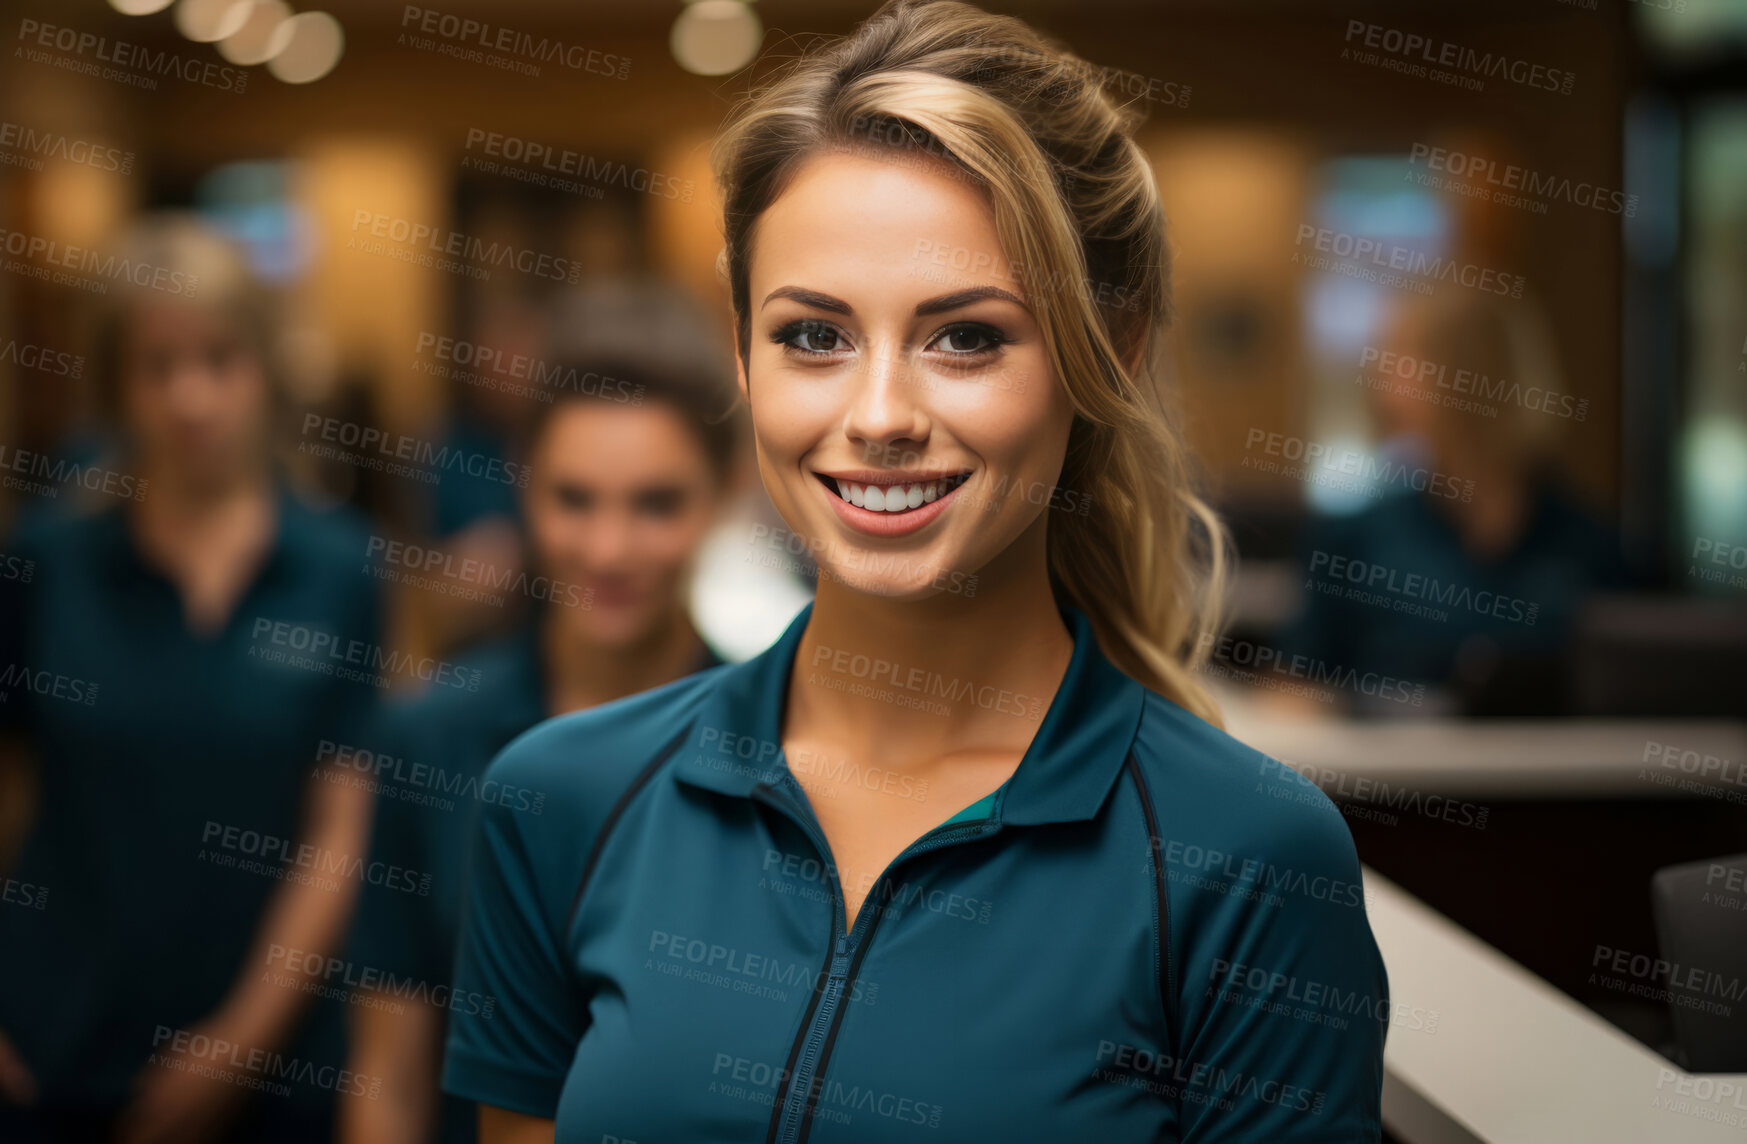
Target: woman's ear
x,y
740,369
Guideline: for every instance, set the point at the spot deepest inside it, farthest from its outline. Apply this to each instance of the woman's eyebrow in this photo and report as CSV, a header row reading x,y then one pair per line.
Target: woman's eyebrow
x,y
964,298
808,298
929,306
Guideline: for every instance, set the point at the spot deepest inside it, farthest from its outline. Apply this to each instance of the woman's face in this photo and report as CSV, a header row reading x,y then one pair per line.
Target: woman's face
x,y
194,395
908,423
617,502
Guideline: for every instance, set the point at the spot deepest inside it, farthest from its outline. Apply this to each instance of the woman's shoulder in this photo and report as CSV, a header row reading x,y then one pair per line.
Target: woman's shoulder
x,y
1212,790
334,534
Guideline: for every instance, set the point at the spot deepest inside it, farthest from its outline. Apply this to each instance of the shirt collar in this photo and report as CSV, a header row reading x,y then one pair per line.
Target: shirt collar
x,y
293,521
735,743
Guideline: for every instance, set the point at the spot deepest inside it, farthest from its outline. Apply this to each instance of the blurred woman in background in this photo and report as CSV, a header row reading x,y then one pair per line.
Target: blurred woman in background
x,y
1472,585
630,464
172,750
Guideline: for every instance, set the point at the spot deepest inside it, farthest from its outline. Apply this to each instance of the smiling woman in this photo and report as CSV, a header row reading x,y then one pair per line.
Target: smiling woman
x,y
964,850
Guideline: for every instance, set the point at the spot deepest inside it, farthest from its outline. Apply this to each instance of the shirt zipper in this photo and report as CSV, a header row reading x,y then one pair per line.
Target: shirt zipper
x,y
794,1118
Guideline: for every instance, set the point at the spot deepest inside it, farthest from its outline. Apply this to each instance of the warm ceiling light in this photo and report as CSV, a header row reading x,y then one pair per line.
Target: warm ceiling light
x,y
305,47
252,43
715,37
139,7
204,21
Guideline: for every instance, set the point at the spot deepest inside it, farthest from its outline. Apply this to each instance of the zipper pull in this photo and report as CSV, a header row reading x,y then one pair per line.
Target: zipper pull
x,y
840,962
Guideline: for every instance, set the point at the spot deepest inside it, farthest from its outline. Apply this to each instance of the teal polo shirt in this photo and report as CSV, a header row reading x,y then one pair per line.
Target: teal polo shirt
x,y
1149,932
151,739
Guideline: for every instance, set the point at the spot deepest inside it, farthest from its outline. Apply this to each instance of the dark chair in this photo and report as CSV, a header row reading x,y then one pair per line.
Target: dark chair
x,y
1701,926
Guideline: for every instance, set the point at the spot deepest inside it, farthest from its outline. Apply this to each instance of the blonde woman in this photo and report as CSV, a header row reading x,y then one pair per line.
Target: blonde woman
x,y
183,804
964,855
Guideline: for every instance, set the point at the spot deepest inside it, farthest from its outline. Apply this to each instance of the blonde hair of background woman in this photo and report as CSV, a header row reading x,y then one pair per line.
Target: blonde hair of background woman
x,y
1078,215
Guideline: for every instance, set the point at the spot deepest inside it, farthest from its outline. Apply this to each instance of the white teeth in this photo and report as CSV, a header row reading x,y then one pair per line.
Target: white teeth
x,y
895,498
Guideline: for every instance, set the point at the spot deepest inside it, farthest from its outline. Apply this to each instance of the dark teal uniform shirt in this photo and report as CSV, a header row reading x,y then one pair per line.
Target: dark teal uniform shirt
x,y
170,762
426,763
1149,932
1391,590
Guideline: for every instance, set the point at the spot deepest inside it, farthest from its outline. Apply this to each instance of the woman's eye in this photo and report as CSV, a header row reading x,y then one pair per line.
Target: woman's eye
x,y
809,337
969,341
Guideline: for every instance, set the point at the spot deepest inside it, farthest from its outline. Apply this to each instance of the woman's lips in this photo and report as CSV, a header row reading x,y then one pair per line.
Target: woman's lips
x,y
916,503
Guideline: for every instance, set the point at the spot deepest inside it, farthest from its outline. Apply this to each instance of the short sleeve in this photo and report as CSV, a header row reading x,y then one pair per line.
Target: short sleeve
x,y
516,1053
1285,997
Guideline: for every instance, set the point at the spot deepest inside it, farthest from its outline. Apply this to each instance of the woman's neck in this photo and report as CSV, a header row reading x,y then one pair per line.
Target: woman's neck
x,y
582,674
918,680
207,539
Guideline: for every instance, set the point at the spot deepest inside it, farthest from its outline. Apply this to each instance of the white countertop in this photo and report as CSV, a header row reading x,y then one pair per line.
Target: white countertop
x,y
1513,1060
1516,758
